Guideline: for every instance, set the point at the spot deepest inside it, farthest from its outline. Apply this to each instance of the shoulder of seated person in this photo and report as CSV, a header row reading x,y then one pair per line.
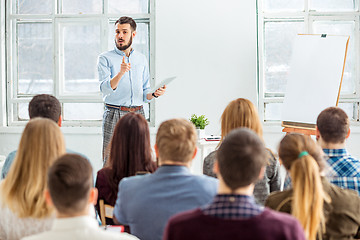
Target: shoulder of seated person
x,y
343,193
276,197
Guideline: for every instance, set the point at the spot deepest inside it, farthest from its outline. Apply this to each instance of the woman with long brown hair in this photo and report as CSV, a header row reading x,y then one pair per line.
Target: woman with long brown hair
x,y
242,113
324,210
23,208
130,154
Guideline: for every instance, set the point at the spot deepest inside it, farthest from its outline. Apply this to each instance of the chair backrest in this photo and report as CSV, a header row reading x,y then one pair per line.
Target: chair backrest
x,y
106,211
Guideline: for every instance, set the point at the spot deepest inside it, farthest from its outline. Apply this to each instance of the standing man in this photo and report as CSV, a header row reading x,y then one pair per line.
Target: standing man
x,y
124,79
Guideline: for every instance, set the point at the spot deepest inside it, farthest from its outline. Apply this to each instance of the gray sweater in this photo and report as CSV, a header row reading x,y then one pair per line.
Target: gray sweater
x,y
270,183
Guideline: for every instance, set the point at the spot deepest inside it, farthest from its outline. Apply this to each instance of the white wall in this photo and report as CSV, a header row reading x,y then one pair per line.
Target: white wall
x,y
209,45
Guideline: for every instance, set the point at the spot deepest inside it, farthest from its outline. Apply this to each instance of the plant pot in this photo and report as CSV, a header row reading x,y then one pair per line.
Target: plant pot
x,y
201,133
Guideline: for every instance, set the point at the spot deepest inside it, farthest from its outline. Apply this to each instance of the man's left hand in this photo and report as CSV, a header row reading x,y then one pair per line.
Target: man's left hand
x,y
160,91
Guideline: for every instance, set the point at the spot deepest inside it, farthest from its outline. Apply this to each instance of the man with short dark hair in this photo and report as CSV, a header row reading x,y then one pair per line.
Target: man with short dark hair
x,y
145,203
71,192
332,129
45,106
124,79
42,105
234,214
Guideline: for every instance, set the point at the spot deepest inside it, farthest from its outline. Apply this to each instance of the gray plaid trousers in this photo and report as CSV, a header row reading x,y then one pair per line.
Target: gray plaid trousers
x,y
110,118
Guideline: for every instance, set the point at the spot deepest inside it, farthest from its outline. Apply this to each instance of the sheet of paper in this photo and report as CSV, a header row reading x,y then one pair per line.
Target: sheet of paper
x,y
166,81
314,78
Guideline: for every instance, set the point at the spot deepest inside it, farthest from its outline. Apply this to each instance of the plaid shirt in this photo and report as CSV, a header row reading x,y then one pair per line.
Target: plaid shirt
x,y
232,206
287,181
346,169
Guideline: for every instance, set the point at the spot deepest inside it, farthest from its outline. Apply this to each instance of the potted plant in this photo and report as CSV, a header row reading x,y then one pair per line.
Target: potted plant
x,y
200,123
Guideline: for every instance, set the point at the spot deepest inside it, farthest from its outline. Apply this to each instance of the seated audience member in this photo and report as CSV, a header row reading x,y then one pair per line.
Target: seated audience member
x,y
44,106
233,214
145,203
70,191
23,208
324,210
130,154
242,113
332,130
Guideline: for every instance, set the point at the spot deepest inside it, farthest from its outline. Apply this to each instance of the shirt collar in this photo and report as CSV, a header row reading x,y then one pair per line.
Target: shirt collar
x,y
233,198
121,52
335,152
75,222
173,169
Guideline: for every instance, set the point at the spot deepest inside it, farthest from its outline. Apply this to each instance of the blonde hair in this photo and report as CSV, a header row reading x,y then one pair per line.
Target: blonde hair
x,y
23,188
176,140
240,113
308,193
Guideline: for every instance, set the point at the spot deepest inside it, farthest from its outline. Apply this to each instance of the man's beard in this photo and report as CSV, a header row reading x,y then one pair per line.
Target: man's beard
x,y
123,47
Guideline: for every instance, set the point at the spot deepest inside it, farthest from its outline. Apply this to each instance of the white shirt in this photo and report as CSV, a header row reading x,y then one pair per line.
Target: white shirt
x,y
77,228
14,228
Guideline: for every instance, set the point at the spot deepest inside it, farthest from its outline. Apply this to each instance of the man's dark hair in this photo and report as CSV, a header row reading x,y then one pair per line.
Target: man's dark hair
x,y
240,157
333,124
70,181
45,106
129,20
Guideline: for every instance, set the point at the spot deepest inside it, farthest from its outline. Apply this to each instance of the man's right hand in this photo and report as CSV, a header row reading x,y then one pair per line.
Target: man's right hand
x,y
125,67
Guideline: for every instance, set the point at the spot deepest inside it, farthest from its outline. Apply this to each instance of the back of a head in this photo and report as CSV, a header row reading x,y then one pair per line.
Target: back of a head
x,y
176,140
45,106
240,113
303,158
333,125
240,157
41,143
130,149
69,182
293,144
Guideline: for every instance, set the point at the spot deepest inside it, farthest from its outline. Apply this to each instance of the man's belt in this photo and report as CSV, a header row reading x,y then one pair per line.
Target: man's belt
x,y
123,108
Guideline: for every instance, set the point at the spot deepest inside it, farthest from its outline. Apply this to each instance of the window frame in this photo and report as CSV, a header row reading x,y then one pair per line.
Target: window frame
x,y
56,19
308,17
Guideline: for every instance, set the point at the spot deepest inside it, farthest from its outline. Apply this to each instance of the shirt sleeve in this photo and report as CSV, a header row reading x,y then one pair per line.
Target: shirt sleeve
x,y
146,82
119,212
104,75
99,184
7,164
2,229
166,235
209,164
298,232
273,172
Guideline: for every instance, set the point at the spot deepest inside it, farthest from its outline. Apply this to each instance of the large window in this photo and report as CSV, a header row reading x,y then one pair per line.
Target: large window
x,y
52,47
279,22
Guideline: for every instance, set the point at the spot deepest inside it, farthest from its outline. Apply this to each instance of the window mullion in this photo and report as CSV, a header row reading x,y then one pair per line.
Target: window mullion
x,y
56,49
260,58
357,58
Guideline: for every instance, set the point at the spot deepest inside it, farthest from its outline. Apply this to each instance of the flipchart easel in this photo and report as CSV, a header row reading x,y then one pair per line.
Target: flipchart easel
x,y
319,61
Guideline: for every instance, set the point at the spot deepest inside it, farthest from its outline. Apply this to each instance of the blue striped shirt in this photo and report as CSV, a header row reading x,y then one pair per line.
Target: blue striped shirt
x,y
233,206
133,86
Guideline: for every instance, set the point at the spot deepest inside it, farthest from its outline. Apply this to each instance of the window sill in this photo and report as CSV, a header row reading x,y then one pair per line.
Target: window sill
x,y
275,127
95,130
